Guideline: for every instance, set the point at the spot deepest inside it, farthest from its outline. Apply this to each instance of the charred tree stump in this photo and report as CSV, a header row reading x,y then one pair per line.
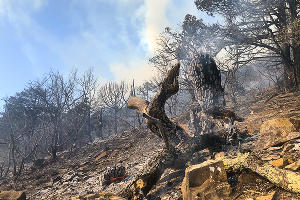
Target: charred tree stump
x,y
206,79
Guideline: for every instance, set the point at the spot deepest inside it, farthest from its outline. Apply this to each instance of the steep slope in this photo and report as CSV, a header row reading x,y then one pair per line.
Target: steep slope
x,y
80,172
261,106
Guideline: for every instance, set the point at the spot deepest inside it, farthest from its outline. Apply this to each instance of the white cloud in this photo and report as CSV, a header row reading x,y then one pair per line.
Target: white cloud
x,y
157,15
37,4
18,11
94,43
138,70
160,14
155,21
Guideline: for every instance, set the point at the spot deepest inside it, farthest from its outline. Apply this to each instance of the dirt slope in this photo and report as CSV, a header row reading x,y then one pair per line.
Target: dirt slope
x,y
79,172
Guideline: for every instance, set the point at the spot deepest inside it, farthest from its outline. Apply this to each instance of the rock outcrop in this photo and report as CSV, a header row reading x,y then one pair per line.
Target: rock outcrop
x,y
207,181
12,195
277,131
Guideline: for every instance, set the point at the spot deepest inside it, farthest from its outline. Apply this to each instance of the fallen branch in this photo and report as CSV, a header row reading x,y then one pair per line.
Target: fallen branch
x,y
137,103
285,179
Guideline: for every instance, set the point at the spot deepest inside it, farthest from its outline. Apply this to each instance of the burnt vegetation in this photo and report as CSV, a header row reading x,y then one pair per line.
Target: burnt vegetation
x,y
206,72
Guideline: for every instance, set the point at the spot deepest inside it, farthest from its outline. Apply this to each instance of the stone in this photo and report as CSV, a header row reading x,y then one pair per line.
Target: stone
x,y
271,196
101,155
294,166
207,180
277,163
220,155
90,197
98,196
12,195
277,131
270,157
274,148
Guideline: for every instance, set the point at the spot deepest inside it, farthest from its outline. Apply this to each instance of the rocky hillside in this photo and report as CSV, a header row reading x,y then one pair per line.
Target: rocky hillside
x,y
80,172
273,121
258,107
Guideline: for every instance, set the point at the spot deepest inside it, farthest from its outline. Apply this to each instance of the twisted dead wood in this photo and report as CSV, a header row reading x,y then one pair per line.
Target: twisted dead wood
x,y
154,111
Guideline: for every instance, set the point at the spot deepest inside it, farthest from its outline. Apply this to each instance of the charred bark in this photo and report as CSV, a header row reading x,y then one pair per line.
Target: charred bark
x,y
206,78
209,93
154,111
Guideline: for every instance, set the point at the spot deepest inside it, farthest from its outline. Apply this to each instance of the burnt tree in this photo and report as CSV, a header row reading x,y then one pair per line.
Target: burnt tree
x,y
154,111
265,26
179,146
206,78
209,94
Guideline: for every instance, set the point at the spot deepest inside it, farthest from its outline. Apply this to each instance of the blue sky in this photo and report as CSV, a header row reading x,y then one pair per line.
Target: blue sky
x,y
114,37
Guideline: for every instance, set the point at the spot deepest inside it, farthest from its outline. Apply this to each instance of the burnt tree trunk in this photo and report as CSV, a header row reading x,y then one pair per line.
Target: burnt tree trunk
x,y
206,79
155,109
179,147
209,94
